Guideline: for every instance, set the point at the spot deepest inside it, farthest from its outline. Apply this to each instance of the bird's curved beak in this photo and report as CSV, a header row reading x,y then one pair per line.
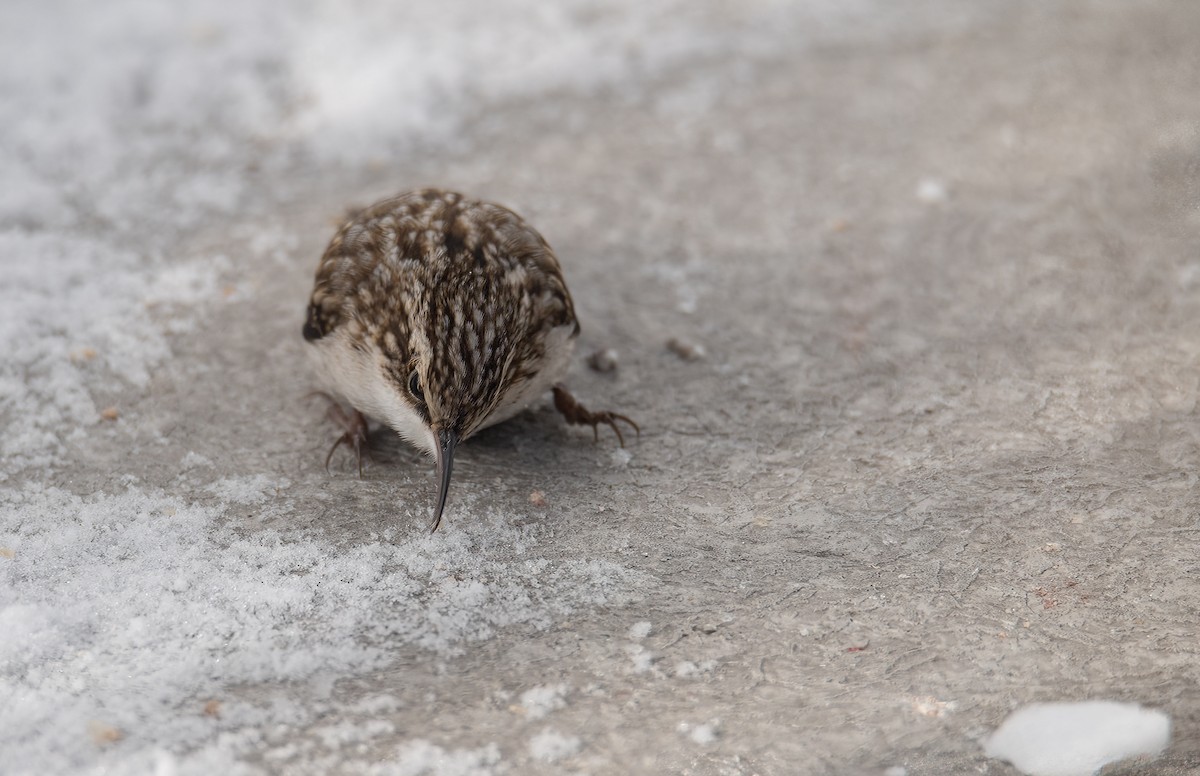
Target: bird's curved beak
x,y
447,439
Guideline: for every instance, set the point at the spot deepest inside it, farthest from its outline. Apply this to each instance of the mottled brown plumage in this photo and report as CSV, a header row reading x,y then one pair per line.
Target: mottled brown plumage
x,y
440,315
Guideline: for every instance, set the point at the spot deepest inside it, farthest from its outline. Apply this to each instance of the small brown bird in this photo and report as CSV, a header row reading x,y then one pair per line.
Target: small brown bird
x,y
441,315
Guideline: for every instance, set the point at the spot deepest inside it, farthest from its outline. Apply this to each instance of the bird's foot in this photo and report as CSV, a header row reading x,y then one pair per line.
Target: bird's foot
x,y
578,415
354,430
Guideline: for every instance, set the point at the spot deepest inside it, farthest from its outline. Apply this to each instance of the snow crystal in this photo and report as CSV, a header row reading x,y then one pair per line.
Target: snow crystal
x,y
643,659
1078,739
639,630
254,489
335,736
376,704
421,758
686,669
932,191
552,746
703,734
620,457
194,460
540,701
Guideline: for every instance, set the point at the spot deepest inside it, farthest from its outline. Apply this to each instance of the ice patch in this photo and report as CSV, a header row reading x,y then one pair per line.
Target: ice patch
x,y
639,630
1078,739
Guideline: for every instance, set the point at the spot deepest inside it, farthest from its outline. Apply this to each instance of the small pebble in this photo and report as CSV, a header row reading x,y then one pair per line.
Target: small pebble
x,y
932,191
537,498
685,350
110,413
604,360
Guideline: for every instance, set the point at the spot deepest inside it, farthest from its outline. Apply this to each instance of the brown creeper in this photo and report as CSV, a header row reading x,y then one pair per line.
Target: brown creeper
x,y
439,316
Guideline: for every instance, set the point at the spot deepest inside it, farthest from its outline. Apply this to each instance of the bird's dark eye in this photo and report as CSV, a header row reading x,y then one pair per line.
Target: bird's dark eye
x,y
414,386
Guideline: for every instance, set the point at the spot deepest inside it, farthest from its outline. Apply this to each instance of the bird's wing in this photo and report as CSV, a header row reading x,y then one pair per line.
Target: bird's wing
x,y
427,226
367,238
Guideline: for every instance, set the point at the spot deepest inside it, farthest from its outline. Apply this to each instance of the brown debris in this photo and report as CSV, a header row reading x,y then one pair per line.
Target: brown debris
x,y
104,734
686,350
1048,599
110,413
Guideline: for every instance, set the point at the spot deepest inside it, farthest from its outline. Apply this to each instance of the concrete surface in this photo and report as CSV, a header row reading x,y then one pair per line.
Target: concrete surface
x,y
938,460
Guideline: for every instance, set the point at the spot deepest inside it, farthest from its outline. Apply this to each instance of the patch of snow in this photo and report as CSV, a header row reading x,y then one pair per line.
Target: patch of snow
x,y
376,704
551,746
78,313
643,659
931,191
194,460
250,489
406,71
703,734
540,701
686,669
342,733
621,457
928,706
421,758
1078,739
120,129
639,630
116,606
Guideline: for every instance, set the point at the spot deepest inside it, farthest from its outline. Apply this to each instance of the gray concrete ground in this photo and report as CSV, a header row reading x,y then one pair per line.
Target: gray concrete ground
x,y
938,460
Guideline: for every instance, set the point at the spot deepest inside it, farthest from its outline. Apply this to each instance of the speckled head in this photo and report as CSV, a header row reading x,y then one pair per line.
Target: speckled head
x,y
469,349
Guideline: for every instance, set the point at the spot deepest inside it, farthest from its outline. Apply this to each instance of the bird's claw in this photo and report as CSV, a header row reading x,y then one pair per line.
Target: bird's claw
x,y
354,428
576,414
